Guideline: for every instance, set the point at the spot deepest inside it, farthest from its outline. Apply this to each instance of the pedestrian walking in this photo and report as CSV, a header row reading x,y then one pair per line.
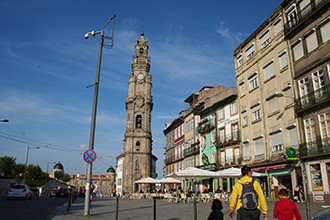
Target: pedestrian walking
x,y
216,213
286,209
247,197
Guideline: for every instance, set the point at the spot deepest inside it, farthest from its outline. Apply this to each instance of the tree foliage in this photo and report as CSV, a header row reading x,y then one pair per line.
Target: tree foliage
x,y
7,166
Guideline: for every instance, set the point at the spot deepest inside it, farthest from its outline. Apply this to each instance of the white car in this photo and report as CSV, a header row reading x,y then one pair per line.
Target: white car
x,y
19,191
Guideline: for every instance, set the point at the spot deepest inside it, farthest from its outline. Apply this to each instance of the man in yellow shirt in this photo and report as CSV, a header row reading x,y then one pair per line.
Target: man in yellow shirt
x,y
236,201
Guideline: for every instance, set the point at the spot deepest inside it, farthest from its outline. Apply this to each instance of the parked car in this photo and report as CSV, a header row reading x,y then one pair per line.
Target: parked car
x,y
22,191
62,192
53,192
322,215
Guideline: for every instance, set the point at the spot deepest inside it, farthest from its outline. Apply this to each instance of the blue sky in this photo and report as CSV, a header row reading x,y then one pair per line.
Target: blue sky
x,y
46,64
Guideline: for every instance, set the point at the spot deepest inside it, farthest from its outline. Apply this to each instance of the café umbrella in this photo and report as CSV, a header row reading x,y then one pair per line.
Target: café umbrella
x,y
233,172
193,172
147,180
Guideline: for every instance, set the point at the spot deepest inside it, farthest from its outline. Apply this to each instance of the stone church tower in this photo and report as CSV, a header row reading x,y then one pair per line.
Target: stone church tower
x,y
138,161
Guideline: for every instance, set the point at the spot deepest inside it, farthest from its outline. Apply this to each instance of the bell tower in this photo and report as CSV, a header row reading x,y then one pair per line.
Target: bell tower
x,y
138,158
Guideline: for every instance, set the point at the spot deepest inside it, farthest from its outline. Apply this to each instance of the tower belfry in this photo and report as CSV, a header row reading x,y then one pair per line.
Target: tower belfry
x,y
138,161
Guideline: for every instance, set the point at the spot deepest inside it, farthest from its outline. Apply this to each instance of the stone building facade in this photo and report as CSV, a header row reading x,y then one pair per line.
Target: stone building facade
x,y
138,160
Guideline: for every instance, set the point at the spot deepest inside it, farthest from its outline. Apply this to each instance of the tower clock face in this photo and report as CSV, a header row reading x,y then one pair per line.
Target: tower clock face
x,y
140,76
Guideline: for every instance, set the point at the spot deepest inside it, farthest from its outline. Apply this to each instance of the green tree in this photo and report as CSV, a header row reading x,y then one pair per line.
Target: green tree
x,y
19,169
7,166
58,174
34,172
66,178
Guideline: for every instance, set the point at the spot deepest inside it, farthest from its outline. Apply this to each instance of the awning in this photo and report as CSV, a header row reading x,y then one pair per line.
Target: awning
x,y
280,172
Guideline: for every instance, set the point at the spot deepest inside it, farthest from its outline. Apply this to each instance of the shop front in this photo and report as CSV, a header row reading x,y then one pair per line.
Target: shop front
x,y
318,179
276,177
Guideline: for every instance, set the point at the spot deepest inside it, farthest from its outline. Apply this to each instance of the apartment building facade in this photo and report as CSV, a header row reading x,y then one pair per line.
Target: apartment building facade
x,y
307,29
210,138
269,128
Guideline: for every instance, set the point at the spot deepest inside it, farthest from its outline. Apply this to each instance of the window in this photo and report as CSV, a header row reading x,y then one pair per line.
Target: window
x,y
259,148
305,7
239,60
141,50
316,175
256,115
138,121
137,145
250,52
234,130
265,39
283,59
297,50
221,113
309,130
245,121
311,42
324,120
278,26
273,105
233,108
222,135
277,143
325,32
247,153
222,158
269,70
292,15
242,88
229,156
319,84
304,89
254,83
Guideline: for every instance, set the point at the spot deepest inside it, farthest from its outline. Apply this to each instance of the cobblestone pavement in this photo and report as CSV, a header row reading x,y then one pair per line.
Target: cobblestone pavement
x,y
143,209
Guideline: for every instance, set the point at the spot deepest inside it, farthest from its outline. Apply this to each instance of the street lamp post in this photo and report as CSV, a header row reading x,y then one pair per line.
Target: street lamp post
x,y
93,122
26,161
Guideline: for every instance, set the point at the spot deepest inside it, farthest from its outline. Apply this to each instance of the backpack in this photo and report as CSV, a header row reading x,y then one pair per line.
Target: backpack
x,y
249,196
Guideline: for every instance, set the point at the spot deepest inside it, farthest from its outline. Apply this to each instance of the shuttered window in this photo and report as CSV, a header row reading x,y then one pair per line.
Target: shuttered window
x,y
283,59
278,26
325,32
297,50
311,42
269,70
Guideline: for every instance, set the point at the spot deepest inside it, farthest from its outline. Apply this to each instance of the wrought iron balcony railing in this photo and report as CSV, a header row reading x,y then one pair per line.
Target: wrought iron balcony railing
x,y
304,13
312,98
315,148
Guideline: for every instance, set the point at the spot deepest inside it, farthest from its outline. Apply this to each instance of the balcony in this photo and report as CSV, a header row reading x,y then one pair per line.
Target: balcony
x,y
303,14
173,159
313,99
230,161
191,151
228,139
205,126
315,148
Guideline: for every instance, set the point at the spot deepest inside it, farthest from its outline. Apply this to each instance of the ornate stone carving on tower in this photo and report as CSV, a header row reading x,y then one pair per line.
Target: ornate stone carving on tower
x,y
138,161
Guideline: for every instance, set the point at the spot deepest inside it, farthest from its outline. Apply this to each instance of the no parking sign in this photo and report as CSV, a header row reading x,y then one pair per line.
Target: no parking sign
x,y
89,156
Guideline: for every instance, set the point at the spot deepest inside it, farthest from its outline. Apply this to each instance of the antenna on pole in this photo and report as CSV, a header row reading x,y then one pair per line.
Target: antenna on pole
x,y
111,38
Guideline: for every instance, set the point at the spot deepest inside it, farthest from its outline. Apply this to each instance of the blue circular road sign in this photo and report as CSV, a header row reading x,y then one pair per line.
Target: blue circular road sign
x,y
89,156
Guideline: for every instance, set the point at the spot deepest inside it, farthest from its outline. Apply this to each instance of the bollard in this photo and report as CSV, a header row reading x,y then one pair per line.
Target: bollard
x,y
117,207
69,201
154,208
195,209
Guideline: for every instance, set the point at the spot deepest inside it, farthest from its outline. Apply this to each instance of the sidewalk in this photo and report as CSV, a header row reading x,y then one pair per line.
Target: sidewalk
x,y
129,209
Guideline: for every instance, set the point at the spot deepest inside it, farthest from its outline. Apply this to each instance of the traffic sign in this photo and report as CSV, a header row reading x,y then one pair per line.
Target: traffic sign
x,y
89,156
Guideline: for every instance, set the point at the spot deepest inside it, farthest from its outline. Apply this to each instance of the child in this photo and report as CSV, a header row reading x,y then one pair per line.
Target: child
x,y
285,209
216,213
